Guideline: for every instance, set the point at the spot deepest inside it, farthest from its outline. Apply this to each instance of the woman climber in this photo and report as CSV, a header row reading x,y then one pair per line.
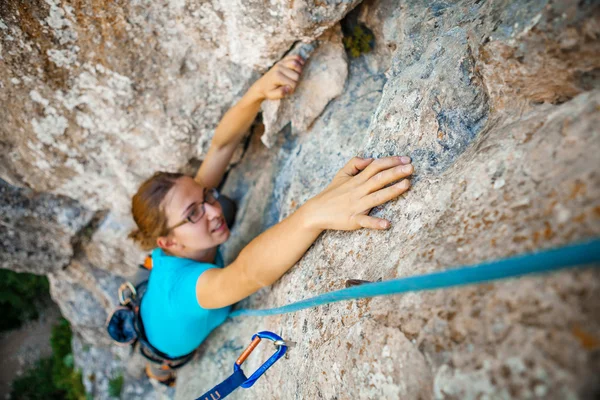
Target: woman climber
x,y
190,290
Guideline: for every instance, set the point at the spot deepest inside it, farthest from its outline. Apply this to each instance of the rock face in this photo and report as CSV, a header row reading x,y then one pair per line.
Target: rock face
x,y
40,232
324,76
497,103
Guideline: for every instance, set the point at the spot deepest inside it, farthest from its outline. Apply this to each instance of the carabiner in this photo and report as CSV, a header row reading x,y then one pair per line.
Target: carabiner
x,y
267,364
122,293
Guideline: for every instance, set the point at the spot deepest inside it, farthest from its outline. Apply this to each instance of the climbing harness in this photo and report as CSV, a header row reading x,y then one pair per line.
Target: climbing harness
x,y
238,378
124,325
572,256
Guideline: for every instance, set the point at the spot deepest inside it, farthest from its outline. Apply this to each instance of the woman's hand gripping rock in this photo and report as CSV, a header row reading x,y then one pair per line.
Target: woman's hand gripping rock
x,y
281,80
358,187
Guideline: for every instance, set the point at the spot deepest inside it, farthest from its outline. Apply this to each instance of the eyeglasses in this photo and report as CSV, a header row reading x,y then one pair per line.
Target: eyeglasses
x,y
197,210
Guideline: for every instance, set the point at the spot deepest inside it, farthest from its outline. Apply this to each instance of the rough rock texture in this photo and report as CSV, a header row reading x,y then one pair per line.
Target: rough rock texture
x,y
324,76
497,174
259,32
39,232
497,103
101,364
96,97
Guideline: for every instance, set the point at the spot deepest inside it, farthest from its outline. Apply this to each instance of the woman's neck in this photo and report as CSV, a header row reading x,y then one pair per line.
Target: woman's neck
x,y
207,256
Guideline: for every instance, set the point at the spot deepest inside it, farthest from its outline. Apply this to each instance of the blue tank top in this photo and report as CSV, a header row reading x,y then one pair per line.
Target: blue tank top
x,y
174,321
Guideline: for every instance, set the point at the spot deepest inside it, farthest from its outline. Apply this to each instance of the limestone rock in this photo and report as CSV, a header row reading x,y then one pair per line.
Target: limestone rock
x,y
490,182
496,102
104,99
39,232
86,295
109,248
270,29
323,79
100,365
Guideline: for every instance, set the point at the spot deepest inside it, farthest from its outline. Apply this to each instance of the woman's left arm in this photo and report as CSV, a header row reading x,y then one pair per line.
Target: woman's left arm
x,y
278,82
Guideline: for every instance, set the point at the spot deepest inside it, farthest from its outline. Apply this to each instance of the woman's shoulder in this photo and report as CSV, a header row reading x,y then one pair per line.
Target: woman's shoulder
x,y
160,259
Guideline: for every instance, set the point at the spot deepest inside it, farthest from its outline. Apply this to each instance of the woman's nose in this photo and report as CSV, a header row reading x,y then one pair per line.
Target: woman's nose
x,y
212,210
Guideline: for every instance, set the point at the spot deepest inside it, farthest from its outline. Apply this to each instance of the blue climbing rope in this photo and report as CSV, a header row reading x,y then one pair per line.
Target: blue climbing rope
x,y
571,256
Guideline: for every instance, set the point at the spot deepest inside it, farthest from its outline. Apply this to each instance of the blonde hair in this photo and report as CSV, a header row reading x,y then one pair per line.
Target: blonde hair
x,y
148,214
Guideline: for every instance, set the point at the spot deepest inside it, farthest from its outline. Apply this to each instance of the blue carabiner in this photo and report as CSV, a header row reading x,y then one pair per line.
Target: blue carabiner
x,y
267,364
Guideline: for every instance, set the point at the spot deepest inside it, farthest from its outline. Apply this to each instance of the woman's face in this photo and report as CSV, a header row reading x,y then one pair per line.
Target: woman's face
x,y
191,239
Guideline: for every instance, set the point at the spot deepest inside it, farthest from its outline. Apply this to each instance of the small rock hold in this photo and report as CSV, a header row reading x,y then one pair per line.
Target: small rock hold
x,y
540,390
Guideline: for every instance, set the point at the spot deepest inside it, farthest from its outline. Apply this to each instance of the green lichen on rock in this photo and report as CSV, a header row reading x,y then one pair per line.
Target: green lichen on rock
x,y
360,41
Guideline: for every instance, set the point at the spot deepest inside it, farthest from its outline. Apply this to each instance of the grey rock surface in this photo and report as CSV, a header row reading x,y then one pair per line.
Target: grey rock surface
x,y
260,32
492,179
39,232
497,103
100,365
105,96
323,79
86,295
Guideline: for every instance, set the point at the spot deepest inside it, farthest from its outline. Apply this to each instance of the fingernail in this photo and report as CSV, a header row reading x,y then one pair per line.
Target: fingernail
x,y
384,224
404,184
405,159
407,168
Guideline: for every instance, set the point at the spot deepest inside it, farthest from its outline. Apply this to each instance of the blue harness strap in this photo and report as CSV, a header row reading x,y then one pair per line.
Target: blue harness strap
x,y
238,378
226,387
572,256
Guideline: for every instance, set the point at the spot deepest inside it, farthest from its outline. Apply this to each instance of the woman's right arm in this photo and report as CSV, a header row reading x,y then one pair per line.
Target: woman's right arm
x,y
343,205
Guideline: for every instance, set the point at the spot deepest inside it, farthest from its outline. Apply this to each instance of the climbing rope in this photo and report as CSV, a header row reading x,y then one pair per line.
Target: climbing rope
x,y
572,256
567,257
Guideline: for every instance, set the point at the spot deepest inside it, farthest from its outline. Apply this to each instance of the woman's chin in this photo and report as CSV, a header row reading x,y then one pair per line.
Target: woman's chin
x,y
223,236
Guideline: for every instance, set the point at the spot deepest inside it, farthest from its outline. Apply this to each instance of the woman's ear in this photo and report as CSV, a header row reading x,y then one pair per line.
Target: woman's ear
x,y
165,242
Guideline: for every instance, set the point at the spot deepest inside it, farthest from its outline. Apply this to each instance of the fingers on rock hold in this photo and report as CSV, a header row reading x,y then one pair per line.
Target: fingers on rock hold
x,y
355,165
367,221
381,164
